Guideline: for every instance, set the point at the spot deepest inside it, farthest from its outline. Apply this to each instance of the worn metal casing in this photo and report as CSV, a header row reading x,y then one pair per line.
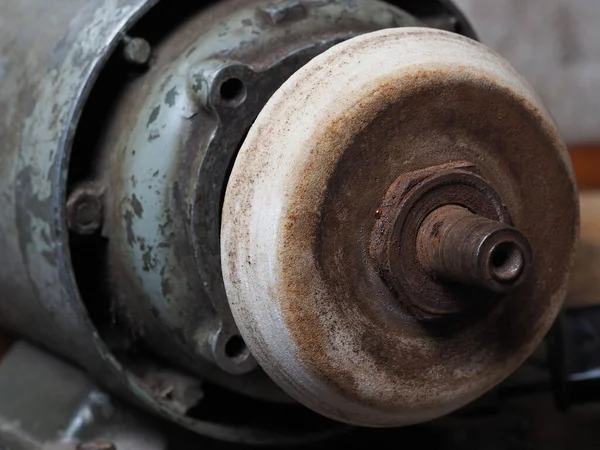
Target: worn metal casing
x,y
46,75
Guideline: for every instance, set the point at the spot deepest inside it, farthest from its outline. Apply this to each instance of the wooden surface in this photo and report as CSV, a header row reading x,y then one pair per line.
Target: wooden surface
x,y
584,289
586,160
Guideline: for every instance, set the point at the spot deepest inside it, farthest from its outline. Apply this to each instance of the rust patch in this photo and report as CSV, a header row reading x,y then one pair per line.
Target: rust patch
x,y
346,324
394,246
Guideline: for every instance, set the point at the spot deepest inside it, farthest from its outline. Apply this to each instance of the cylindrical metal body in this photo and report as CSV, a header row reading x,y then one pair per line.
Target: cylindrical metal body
x,y
46,74
463,247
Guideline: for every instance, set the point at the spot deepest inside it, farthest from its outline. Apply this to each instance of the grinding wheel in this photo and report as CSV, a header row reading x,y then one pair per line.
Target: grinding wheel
x,y
398,227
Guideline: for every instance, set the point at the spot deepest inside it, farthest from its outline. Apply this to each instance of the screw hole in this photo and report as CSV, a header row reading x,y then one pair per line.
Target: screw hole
x,y
235,347
506,261
233,91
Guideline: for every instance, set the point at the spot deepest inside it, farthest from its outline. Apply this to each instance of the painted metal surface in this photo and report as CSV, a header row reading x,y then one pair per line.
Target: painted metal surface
x,y
41,102
303,198
46,76
46,73
174,162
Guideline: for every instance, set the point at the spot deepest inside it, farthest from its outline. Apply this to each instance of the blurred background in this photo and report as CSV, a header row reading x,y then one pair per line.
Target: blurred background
x,y
555,44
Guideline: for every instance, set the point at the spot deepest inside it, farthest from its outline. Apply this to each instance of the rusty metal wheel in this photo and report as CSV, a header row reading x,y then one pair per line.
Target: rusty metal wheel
x,y
398,227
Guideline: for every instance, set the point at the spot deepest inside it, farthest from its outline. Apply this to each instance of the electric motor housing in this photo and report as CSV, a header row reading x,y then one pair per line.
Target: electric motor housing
x,y
187,186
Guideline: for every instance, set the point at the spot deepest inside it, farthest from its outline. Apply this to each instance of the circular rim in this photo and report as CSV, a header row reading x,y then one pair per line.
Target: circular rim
x,y
295,277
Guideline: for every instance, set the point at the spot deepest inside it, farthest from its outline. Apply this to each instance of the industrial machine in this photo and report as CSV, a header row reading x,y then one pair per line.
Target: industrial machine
x,y
267,221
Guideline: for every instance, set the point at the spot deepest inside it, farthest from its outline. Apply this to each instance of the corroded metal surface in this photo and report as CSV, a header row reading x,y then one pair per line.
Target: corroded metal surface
x,y
461,247
396,249
85,209
304,196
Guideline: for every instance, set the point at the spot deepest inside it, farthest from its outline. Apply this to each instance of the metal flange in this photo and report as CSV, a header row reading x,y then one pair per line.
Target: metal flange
x,y
332,324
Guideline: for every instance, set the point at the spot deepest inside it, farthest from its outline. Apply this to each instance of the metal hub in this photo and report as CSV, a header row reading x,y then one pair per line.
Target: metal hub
x,y
457,245
436,266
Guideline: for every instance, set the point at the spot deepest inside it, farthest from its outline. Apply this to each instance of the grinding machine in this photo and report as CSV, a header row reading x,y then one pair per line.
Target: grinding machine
x,y
266,221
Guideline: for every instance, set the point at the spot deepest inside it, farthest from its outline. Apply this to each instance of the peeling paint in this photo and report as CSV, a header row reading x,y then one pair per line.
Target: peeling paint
x,y
138,209
129,228
148,259
153,115
171,97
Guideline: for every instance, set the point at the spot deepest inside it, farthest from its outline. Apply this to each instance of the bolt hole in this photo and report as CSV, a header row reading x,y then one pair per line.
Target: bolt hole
x,y
235,347
233,91
506,262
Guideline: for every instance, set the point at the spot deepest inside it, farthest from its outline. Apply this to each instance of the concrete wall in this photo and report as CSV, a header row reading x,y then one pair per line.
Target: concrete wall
x,y
555,44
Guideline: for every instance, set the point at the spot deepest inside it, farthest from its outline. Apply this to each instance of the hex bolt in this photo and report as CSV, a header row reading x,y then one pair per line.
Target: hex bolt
x,y
136,50
84,210
456,245
96,446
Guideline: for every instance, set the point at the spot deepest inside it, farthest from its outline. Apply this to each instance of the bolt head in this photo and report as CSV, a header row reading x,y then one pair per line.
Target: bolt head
x,y
84,211
137,51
